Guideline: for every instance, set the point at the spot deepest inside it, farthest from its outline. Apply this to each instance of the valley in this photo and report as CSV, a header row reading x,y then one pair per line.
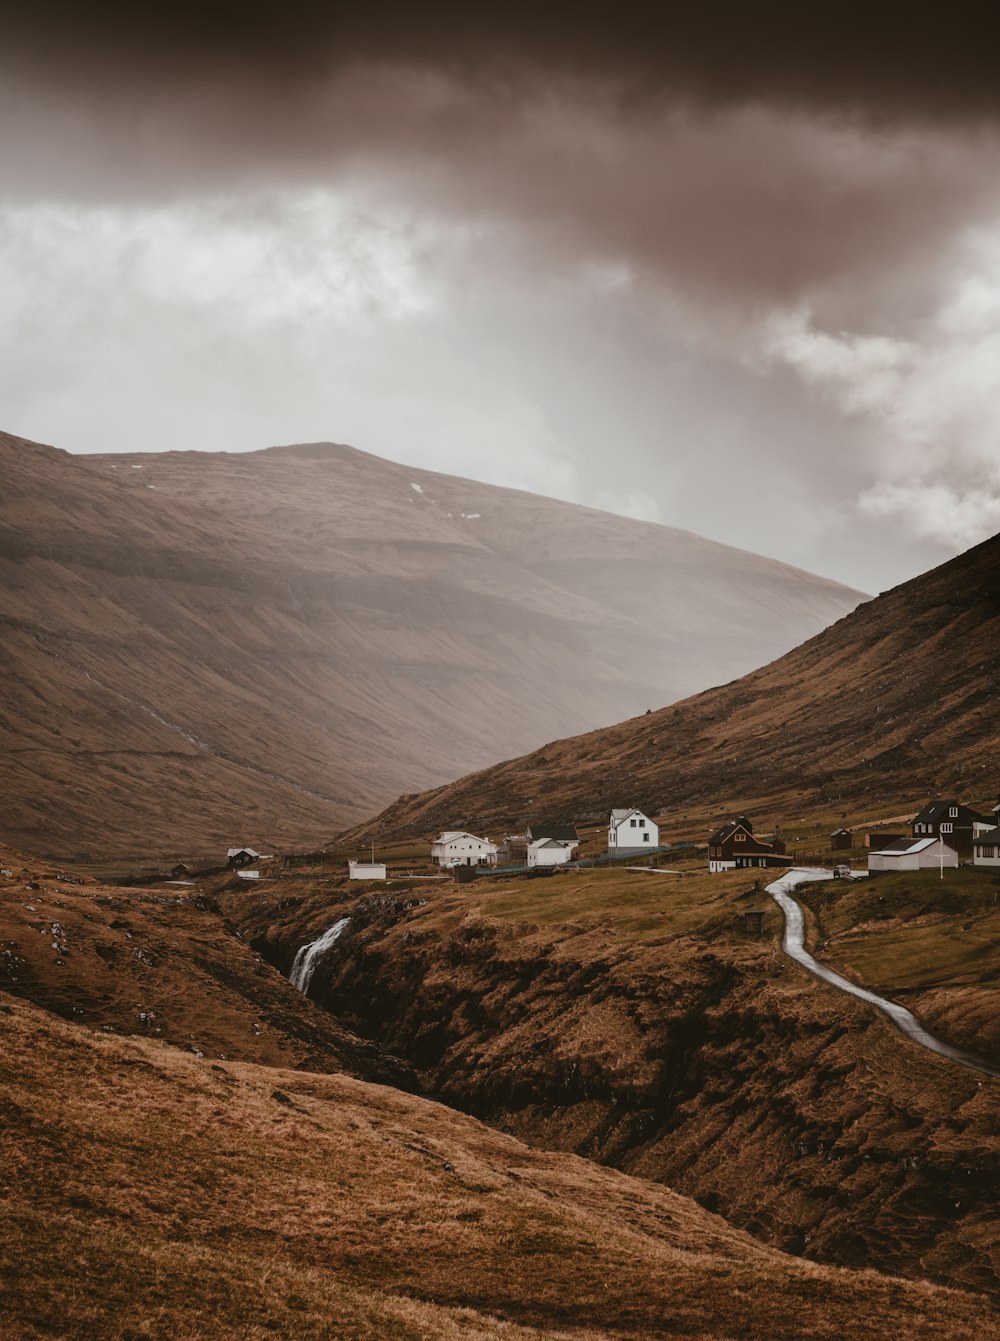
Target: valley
x,y
629,1018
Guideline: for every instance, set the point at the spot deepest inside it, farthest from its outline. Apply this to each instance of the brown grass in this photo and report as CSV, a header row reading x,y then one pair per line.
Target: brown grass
x,y
149,1195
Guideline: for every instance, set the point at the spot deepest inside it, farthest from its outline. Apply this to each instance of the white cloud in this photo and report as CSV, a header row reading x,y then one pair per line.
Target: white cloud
x,y
933,401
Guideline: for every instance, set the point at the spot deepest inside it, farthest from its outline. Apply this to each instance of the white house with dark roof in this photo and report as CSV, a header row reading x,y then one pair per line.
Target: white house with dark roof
x,y
986,847
630,830
455,847
559,833
913,854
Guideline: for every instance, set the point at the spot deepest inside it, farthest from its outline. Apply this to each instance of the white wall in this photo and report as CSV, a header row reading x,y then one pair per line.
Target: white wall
x,y
466,849
548,856
927,860
623,835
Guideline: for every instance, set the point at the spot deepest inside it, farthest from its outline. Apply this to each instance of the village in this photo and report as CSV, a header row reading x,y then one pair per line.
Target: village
x,y
943,834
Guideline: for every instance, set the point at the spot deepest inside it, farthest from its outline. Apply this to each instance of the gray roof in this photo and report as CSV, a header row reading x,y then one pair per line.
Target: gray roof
x,y
904,845
990,836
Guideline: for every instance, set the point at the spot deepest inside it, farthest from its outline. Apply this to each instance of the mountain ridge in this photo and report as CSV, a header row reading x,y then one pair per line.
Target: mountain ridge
x,y
208,648
890,702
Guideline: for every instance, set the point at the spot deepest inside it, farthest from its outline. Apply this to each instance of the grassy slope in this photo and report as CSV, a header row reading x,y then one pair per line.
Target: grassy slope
x,y
151,1195
627,1017
932,944
891,703
206,648
107,956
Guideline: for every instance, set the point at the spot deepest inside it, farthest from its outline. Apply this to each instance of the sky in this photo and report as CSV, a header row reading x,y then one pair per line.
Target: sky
x,y
729,267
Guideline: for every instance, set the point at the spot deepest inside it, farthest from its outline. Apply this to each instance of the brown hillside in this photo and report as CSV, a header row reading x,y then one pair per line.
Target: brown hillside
x,y
144,1194
200,649
893,702
627,1017
160,962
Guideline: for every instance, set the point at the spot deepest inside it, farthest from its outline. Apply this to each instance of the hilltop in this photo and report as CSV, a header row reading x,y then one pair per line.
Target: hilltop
x,y
893,702
205,648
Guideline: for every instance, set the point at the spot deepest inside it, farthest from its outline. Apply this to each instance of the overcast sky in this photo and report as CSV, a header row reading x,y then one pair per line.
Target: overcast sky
x,y
730,267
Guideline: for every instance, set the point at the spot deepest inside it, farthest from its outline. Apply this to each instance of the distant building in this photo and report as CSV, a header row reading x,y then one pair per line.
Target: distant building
x,y
549,852
242,856
877,839
986,848
841,840
366,869
913,854
632,831
559,833
736,846
513,851
955,823
455,847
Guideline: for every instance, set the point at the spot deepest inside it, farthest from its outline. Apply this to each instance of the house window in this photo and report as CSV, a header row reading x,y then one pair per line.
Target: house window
x,y
631,823
739,838
946,827
988,849
645,837
953,812
642,824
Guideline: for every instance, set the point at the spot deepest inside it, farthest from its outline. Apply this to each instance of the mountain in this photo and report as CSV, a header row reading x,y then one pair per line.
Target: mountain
x,y
892,703
207,648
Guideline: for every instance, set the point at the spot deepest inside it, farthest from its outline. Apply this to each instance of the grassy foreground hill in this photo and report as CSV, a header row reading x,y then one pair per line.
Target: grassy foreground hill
x,y
896,701
629,1017
200,649
150,1195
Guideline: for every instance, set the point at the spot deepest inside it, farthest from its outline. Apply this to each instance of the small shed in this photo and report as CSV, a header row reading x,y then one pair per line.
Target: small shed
x,y
753,922
366,869
841,840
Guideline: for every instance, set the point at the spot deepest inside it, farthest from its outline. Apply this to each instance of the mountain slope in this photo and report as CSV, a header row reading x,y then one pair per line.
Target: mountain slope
x,y
206,648
149,1194
893,702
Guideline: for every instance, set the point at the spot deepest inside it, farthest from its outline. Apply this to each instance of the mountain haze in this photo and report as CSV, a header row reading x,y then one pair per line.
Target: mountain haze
x,y
204,648
893,702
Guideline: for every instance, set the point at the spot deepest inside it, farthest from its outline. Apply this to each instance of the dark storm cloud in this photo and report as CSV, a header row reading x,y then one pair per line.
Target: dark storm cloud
x,y
893,59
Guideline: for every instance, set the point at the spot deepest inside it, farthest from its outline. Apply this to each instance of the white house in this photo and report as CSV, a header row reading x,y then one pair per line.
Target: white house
x,y
457,848
366,869
986,848
549,852
913,854
632,831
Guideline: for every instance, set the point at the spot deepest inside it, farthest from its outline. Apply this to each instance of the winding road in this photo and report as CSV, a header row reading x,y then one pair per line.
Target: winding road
x,y
793,944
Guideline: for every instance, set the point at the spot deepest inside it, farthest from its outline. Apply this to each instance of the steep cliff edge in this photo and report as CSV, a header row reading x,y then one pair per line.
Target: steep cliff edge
x,y
701,1059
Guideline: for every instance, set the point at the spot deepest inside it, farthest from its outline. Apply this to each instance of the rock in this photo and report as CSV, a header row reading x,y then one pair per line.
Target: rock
x,y
280,1097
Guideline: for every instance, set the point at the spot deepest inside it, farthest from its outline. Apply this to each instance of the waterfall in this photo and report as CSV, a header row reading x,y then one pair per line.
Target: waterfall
x,y
309,956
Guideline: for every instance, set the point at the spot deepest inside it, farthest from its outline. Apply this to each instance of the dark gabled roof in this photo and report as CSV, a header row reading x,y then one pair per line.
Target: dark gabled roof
x,y
836,831
990,836
938,810
728,829
562,833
